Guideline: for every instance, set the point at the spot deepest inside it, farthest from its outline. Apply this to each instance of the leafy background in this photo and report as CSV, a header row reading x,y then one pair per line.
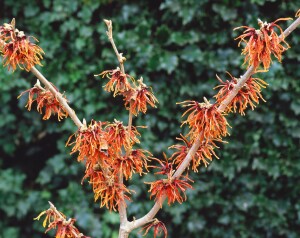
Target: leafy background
x,y
177,46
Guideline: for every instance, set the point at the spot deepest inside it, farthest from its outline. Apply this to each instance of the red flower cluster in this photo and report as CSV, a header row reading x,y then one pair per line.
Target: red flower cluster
x,y
101,145
203,155
171,188
18,49
204,119
166,167
249,94
119,135
136,97
207,124
118,82
135,162
108,189
158,228
174,189
90,141
57,220
262,43
47,103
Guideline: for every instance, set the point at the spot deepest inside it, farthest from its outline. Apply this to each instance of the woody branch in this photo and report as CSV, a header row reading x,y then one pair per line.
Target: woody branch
x,y
242,80
58,95
55,93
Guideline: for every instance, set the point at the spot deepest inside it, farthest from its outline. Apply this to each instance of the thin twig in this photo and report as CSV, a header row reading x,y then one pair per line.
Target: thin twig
x,y
120,57
242,80
129,122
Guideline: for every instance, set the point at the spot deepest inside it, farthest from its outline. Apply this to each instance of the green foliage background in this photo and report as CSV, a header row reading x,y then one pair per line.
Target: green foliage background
x,y
177,46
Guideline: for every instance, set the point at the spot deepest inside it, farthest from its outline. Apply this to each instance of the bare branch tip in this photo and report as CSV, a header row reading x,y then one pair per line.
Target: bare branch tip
x,y
108,23
13,22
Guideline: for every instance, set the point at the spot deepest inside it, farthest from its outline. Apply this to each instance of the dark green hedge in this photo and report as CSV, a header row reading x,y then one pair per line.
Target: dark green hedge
x,y
177,46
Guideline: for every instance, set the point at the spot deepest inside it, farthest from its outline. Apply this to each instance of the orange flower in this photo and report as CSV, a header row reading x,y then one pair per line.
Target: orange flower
x,y
99,161
173,189
19,49
51,104
118,135
93,171
158,227
205,119
89,141
57,220
260,44
109,190
132,163
204,153
64,229
249,94
118,82
51,216
165,168
139,97
46,102
7,31
103,176
22,53
33,93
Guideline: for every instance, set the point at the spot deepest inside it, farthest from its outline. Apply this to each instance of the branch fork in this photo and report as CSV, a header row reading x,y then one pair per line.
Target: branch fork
x,y
241,82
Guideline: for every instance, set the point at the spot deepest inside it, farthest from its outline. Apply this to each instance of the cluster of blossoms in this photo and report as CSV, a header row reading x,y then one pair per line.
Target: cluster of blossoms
x,y
107,148
249,94
18,50
206,124
158,228
46,101
137,96
57,221
173,188
101,146
261,44
204,119
207,121
203,155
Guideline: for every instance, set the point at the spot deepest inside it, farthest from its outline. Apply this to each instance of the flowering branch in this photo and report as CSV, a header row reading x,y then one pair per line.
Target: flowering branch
x,y
121,59
59,97
55,93
107,148
58,221
241,82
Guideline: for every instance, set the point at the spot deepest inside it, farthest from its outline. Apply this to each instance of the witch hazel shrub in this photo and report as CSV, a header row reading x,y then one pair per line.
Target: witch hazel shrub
x,y
112,151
